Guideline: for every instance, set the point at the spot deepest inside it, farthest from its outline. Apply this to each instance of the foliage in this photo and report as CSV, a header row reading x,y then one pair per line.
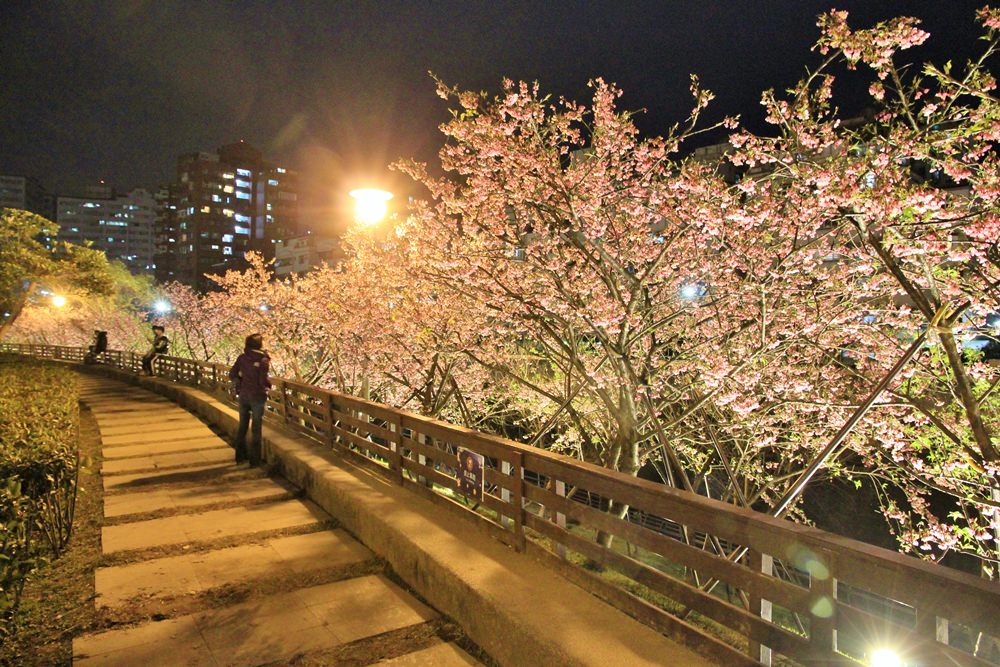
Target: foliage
x,y
39,463
909,204
31,258
122,312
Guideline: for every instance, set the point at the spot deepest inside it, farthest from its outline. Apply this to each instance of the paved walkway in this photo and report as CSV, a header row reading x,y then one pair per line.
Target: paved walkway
x,y
209,563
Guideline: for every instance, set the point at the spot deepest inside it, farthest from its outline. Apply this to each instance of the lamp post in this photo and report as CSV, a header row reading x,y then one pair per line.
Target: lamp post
x,y
370,205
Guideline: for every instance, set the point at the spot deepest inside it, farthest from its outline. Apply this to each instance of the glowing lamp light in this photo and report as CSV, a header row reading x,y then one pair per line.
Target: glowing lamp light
x,y
370,205
885,657
689,291
161,307
58,301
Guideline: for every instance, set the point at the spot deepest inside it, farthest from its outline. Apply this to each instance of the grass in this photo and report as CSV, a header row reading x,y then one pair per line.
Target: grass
x,y
58,600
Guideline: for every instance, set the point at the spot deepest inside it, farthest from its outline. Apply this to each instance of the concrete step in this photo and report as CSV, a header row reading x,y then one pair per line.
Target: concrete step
x,y
126,407
206,526
129,451
194,573
190,475
173,497
220,454
274,629
144,427
439,655
183,431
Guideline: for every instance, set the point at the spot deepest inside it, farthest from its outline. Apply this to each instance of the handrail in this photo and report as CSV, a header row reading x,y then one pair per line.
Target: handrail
x,y
936,612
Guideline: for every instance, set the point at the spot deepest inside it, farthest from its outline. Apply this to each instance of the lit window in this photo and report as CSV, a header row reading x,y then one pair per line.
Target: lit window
x,y
228,212
271,181
215,247
241,230
239,217
280,170
206,209
227,250
227,238
268,207
244,172
228,175
242,184
228,189
242,195
216,198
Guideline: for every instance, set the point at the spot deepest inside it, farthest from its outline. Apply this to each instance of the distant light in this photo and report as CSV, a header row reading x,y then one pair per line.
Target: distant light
x,y
370,205
690,291
161,307
58,301
885,657
264,308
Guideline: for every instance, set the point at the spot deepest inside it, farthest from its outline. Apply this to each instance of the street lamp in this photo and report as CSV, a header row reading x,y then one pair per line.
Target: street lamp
x,y
58,300
885,657
161,307
370,205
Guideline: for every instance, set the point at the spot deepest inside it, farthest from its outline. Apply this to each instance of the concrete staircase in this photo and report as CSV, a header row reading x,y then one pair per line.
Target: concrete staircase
x,y
210,563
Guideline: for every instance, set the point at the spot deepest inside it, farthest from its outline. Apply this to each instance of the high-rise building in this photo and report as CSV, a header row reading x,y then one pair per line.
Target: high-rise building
x,y
166,233
229,202
120,225
26,193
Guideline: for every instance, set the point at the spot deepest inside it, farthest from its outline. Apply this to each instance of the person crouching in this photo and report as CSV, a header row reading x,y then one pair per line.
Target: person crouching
x,y
249,374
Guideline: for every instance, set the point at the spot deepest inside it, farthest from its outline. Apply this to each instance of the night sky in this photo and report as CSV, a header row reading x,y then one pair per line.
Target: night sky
x,y
116,90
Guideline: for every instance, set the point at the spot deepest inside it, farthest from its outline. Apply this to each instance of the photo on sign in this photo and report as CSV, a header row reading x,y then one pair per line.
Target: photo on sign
x,y
470,474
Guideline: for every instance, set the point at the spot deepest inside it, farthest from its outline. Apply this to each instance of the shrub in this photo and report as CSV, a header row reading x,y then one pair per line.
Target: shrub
x,y
39,463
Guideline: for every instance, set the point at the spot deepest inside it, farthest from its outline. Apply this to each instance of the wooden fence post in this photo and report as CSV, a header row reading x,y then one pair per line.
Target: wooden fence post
x,y
560,518
823,608
397,446
759,606
516,496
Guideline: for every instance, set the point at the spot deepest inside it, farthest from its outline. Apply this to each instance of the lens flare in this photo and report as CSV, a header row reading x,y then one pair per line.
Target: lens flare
x,y
370,205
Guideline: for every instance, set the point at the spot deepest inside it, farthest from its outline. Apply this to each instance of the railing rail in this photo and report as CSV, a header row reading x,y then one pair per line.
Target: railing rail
x,y
948,614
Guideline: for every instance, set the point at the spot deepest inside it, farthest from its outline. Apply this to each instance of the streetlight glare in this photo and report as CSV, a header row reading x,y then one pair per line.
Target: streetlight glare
x,y
161,307
58,301
370,204
689,291
885,657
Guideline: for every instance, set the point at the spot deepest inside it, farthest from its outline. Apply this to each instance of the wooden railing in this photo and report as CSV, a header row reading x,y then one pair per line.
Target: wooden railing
x,y
810,596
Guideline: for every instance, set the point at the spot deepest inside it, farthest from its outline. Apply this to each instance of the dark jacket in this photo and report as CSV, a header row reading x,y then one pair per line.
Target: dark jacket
x,y
161,344
250,375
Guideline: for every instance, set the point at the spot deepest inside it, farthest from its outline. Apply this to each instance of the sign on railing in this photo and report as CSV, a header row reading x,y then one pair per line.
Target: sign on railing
x,y
761,585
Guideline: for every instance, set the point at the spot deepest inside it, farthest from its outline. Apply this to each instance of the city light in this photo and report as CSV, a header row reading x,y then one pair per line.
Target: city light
x,y
58,301
370,205
161,307
885,657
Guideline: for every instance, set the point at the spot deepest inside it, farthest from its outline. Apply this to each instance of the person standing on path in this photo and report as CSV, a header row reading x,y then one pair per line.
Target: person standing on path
x,y
160,347
249,375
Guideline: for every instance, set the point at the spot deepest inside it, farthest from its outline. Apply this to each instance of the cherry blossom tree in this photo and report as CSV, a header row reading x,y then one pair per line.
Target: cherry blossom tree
x,y
628,291
906,203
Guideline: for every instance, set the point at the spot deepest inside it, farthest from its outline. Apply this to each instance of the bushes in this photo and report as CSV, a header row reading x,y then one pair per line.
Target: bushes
x,y
39,463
